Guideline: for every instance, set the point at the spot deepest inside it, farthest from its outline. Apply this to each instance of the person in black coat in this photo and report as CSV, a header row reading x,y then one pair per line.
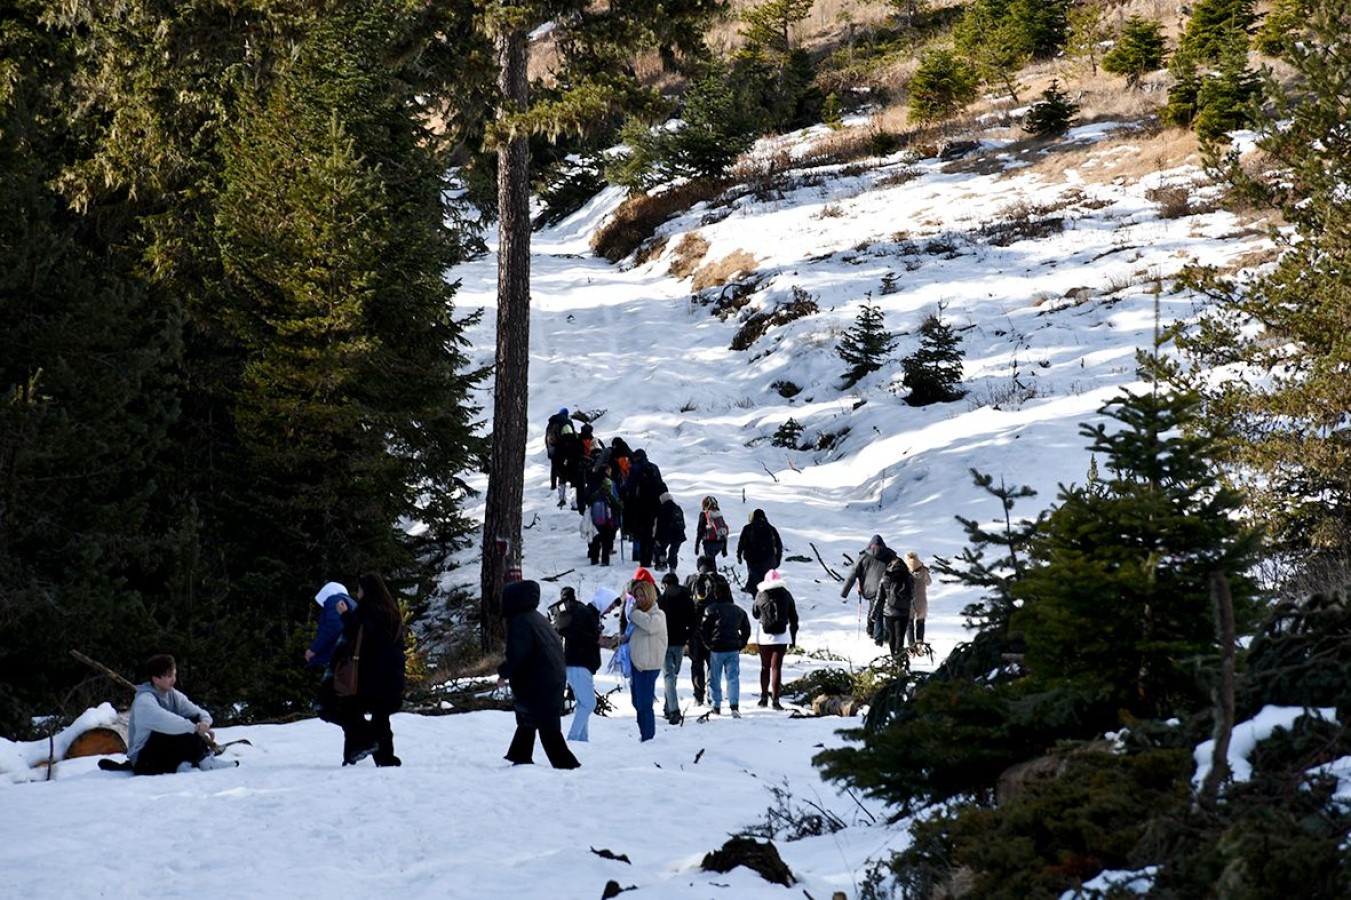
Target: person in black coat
x,y
726,629
898,587
580,626
760,548
868,573
704,565
373,630
670,533
535,668
678,604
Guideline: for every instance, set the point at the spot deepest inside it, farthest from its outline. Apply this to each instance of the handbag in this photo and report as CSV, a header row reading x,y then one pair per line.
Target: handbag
x,y
345,671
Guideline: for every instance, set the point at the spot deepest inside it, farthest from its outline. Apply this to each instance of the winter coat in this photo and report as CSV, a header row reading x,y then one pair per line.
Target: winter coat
x,y
380,671
919,603
898,588
567,458
759,544
330,622
726,627
670,522
168,713
642,493
579,625
762,597
678,604
870,568
534,654
647,645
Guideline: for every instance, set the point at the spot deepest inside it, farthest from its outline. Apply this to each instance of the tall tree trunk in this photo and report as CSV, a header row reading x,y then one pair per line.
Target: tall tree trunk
x,y
502,517
1208,796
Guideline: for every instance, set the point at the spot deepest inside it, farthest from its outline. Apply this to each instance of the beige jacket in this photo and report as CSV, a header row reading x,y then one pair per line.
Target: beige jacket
x,y
647,646
919,603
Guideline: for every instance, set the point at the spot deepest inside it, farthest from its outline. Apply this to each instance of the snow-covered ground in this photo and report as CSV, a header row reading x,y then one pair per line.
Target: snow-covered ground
x,y
1050,328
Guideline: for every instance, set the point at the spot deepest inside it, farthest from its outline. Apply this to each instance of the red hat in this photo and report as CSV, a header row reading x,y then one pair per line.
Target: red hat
x,y
641,574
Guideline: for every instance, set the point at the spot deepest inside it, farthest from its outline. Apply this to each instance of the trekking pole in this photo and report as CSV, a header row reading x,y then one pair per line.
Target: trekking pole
x,y
860,615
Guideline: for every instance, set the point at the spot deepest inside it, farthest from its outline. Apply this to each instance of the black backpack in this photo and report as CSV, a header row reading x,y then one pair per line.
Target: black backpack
x,y
773,613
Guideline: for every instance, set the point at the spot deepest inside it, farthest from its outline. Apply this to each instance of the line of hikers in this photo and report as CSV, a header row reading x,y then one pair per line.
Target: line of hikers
x,y
897,591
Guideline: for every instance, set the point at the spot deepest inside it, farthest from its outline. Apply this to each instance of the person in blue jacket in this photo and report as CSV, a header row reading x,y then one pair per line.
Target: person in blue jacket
x,y
334,600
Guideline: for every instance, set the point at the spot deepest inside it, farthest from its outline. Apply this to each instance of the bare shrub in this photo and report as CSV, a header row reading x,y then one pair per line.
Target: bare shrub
x,y
802,304
1175,201
1023,221
831,211
638,217
723,270
688,254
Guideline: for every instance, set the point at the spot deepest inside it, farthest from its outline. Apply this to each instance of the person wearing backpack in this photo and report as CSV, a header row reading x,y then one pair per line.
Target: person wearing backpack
x,y
713,528
552,430
701,588
775,615
670,533
868,572
676,602
760,548
726,631
642,500
566,463
897,589
603,507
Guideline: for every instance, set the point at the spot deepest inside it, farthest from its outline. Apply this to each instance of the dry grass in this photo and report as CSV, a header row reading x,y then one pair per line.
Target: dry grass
x,y
722,271
688,254
638,217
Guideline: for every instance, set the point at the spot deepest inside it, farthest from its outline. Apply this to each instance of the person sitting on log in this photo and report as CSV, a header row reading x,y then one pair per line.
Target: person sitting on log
x,y
167,732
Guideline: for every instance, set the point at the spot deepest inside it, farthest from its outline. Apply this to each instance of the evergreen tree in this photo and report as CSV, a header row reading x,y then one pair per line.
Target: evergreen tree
x,y
1224,98
1086,32
1117,604
1139,50
1286,326
777,77
994,42
865,346
1214,23
1052,115
85,409
941,86
933,373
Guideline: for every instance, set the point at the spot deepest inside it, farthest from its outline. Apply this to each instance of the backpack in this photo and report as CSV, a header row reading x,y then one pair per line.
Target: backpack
x,y
602,513
706,587
715,526
773,616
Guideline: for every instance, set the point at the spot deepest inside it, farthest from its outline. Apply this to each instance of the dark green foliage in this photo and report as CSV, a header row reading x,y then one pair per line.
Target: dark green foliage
x,y
719,122
1140,49
1282,21
566,187
933,373
1180,109
1301,657
1054,833
1288,413
1053,114
789,434
1213,86
1118,603
1000,36
941,86
1212,27
996,576
865,345
1224,99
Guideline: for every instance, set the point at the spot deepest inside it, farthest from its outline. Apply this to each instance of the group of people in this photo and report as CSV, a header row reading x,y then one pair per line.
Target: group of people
x,y
897,591
167,732
658,627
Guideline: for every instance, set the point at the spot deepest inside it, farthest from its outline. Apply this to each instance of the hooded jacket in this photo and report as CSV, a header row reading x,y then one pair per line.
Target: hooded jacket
x,y
726,627
330,622
919,603
579,624
170,712
534,655
870,568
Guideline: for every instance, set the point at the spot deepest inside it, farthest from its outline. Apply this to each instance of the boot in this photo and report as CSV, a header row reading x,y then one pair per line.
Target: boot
x,y
764,701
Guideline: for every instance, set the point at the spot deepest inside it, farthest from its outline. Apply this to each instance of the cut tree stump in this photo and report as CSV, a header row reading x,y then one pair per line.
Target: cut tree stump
x,y
761,858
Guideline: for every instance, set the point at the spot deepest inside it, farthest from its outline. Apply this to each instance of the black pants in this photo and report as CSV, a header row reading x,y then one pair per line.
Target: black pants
x,y
896,635
359,734
602,545
698,668
550,728
915,631
164,753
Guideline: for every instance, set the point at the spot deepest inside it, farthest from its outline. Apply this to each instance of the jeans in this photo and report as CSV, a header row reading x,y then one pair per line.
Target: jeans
x,y
670,671
644,695
583,685
725,662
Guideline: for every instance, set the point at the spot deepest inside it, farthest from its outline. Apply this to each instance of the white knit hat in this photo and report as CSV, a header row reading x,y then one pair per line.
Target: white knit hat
x,y
772,580
328,590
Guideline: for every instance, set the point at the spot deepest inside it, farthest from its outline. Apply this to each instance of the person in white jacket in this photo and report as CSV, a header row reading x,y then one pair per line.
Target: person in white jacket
x,y
167,732
647,650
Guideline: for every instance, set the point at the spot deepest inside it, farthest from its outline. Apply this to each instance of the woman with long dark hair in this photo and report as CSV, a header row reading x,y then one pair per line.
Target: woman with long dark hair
x,y
374,630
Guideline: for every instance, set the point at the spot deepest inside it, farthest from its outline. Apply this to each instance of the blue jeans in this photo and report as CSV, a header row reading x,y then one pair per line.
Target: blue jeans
x,y
725,662
670,671
644,695
583,686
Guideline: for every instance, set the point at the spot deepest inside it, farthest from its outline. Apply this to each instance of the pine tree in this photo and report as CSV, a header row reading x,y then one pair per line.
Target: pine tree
x,y
941,86
865,346
1053,114
1117,602
1086,32
1213,25
777,77
933,373
1224,98
1138,51
787,435
1286,326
